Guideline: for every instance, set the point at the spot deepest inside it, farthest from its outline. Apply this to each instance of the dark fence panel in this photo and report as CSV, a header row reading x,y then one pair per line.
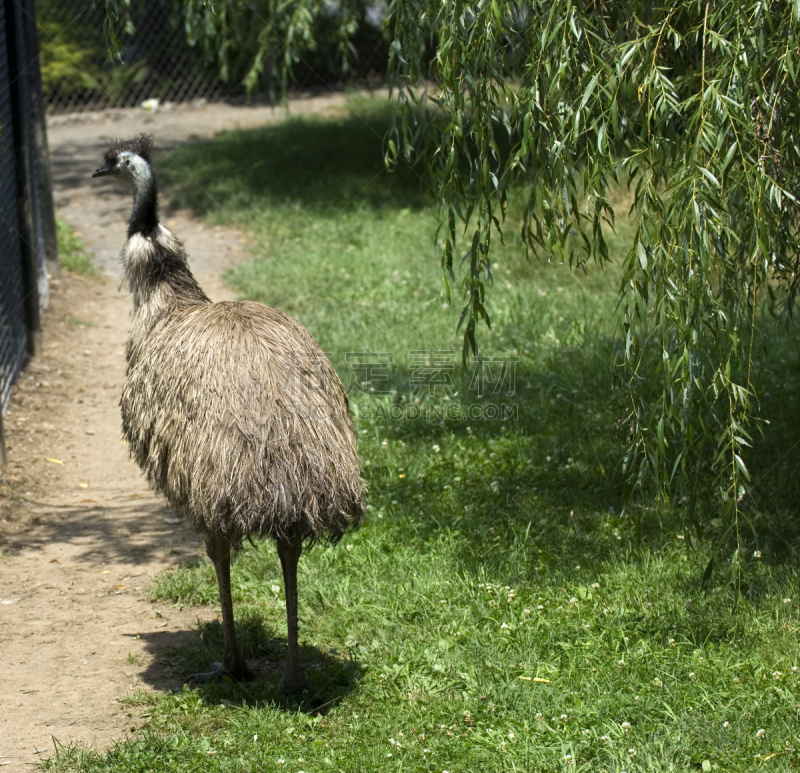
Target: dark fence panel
x,y
27,224
13,343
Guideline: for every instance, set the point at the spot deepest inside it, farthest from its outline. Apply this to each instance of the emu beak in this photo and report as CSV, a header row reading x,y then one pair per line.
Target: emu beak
x,y
103,171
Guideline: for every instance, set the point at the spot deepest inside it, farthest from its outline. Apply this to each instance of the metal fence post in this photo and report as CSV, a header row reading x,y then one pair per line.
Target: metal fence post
x,y
13,343
23,148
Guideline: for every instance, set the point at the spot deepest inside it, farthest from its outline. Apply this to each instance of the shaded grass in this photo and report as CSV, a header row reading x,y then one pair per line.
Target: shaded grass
x,y
72,253
499,610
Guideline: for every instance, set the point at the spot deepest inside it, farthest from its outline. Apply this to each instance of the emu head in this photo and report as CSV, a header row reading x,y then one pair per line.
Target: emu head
x,y
128,159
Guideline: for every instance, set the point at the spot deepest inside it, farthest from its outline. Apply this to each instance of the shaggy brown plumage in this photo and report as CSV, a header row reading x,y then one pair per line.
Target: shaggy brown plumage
x,y
237,417
231,409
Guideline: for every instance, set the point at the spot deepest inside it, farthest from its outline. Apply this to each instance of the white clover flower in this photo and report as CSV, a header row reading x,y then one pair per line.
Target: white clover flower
x,y
632,752
726,724
512,736
538,715
436,449
626,726
657,682
573,600
595,584
504,625
692,675
761,733
787,601
563,716
776,675
756,554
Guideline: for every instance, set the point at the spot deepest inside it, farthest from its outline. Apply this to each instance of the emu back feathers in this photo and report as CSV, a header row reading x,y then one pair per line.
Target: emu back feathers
x,y
237,417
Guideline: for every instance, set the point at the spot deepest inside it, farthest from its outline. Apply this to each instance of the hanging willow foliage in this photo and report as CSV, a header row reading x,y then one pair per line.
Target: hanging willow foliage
x,y
692,104
258,42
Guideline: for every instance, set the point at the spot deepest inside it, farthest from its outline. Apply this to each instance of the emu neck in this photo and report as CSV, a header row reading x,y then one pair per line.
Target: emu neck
x,y
156,272
144,218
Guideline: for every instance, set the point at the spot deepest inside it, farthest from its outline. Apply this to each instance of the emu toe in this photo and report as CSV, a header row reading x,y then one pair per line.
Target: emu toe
x,y
218,671
292,682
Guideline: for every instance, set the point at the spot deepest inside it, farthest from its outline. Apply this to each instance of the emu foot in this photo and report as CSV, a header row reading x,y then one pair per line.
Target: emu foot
x,y
292,682
218,671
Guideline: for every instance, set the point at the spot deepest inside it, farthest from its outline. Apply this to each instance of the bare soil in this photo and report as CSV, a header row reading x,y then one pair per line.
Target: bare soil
x,y
80,533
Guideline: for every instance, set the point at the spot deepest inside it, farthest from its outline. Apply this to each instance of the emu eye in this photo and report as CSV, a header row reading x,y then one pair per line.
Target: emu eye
x,y
127,162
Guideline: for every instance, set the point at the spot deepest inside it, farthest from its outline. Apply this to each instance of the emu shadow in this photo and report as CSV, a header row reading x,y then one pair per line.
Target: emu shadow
x,y
175,654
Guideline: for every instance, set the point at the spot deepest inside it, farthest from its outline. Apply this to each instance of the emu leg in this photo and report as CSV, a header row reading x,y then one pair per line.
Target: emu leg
x,y
233,664
293,679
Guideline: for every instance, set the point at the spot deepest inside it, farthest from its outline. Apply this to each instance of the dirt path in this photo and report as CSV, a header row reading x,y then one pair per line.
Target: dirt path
x,y
80,534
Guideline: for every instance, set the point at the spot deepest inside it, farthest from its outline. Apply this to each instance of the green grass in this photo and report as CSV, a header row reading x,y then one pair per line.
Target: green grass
x,y
498,611
72,253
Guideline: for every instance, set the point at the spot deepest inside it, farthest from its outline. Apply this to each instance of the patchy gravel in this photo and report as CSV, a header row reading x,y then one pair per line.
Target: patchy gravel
x,y
80,533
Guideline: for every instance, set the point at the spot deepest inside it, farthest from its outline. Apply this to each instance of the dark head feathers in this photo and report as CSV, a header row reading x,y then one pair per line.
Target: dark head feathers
x,y
141,144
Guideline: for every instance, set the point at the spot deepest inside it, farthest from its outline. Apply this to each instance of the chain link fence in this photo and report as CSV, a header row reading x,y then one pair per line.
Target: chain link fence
x,y
159,64
27,221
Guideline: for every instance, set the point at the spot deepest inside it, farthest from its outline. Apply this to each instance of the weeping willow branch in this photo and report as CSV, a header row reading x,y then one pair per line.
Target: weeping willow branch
x,y
693,105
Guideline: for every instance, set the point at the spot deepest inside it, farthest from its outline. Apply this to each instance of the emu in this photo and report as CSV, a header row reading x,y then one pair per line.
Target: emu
x,y
232,411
